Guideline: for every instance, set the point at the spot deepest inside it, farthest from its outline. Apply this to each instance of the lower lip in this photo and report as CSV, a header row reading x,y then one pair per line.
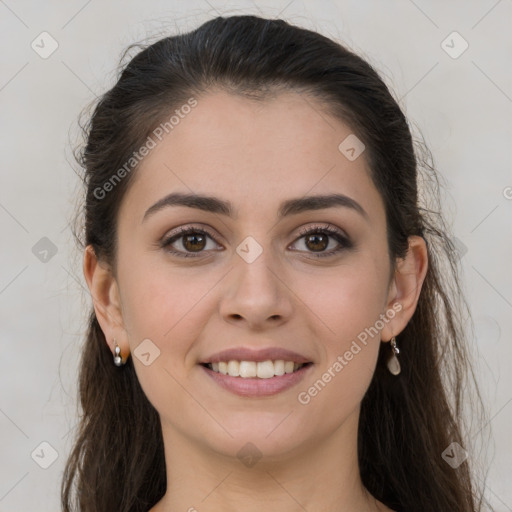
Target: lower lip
x,y
256,387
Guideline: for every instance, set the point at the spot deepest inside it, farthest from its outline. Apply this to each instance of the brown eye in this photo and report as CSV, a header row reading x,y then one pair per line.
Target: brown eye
x,y
317,242
194,242
189,242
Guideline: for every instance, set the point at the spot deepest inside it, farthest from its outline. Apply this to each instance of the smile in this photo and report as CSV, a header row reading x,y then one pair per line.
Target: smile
x,y
251,369
251,379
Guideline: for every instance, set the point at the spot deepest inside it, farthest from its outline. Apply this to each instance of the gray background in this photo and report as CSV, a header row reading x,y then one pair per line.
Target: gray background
x,y
462,105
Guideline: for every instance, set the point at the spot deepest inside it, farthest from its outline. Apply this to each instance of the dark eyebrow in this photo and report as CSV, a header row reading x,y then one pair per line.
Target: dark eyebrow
x,y
288,207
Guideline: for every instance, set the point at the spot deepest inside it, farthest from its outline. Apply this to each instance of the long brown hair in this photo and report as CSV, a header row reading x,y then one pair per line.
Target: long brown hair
x,y
406,422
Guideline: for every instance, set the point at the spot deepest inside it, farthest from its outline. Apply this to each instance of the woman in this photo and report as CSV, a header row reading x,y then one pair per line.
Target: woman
x,y
276,318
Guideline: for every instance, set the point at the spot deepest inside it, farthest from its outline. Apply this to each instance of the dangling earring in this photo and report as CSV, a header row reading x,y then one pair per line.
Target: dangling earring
x,y
118,360
393,363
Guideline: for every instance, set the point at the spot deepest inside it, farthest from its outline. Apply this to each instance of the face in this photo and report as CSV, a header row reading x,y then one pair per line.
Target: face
x,y
246,275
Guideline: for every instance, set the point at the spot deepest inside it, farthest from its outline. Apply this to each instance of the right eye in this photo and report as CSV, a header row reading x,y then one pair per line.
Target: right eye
x,y
194,241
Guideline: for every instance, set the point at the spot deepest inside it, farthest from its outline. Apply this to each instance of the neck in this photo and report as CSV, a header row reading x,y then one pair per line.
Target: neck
x,y
324,475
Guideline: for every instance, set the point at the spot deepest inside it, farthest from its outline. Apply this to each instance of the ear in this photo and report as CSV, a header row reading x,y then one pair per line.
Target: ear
x,y
405,286
107,305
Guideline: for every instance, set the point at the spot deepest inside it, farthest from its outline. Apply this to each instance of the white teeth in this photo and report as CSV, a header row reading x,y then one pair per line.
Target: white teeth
x,y
247,369
250,369
234,368
265,369
223,367
279,367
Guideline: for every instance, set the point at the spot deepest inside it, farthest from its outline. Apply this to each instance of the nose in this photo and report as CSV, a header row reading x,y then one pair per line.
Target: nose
x,y
255,294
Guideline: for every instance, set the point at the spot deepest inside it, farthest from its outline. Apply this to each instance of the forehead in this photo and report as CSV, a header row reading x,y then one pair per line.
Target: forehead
x,y
254,153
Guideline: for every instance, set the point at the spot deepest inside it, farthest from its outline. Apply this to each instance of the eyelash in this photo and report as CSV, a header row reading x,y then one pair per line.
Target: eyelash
x,y
332,232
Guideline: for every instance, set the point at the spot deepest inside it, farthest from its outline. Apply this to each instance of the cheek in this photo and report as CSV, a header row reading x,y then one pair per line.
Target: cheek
x,y
160,304
348,303
346,300
166,304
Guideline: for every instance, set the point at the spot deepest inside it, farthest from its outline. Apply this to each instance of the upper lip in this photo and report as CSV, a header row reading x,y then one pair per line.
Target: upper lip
x,y
247,354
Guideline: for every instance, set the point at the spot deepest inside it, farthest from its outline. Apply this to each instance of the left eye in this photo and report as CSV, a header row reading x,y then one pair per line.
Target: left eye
x,y
318,240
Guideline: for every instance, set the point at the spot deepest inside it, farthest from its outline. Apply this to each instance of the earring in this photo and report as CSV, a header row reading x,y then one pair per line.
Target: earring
x,y
118,360
393,363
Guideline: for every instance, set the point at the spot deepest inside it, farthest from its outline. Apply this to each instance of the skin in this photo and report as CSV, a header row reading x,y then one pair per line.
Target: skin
x,y
255,154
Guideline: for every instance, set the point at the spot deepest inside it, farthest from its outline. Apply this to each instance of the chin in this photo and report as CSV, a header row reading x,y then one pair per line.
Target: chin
x,y
259,441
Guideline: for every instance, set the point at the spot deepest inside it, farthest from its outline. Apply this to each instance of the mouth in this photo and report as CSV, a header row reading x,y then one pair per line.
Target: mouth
x,y
256,379
252,373
255,369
